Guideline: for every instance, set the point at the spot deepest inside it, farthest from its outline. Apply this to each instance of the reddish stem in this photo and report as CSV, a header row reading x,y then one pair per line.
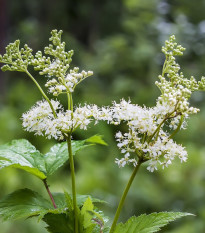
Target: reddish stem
x,y
49,193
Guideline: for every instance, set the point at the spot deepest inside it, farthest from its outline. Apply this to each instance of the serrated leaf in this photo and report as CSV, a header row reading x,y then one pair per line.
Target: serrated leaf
x,y
85,212
62,199
58,155
68,200
23,155
148,223
23,203
96,139
59,223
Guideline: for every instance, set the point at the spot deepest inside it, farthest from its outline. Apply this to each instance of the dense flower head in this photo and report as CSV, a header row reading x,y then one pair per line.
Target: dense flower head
x,y
40,119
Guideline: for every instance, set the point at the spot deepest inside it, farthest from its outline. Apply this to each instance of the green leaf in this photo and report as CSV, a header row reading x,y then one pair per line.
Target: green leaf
x,y
85,218
58,155
64,200
23,203
85,212
59,223
148,223
96,139
23,155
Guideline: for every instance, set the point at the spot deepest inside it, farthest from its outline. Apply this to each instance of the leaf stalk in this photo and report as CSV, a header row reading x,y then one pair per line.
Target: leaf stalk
x,y
49,193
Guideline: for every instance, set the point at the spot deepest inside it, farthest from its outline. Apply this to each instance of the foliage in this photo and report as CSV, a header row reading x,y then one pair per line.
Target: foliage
x,y
23,155
148,223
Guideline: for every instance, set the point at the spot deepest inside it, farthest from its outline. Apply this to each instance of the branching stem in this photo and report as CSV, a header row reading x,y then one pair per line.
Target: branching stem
x,y
178,127
42,92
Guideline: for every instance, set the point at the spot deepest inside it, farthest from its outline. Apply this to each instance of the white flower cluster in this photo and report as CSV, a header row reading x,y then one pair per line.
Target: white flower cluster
x,y
145,137
41,121
160,151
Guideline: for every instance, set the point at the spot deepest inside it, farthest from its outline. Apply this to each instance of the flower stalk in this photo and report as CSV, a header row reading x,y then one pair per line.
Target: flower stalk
x,y
72,168
42,92
124,195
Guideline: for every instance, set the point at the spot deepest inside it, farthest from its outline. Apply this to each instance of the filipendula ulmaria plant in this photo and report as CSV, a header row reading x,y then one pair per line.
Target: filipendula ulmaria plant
x,y
149,138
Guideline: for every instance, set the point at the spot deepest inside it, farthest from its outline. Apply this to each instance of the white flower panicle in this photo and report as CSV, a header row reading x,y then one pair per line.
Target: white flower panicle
x,y
148,137
41,121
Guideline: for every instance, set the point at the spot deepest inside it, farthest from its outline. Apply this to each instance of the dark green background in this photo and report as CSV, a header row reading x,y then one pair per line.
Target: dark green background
x,y
121,42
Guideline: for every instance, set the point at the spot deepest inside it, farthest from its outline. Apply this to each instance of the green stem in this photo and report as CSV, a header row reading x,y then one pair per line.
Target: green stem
x,y
49,193
72,168
117,214
68,100
157,129
42,92
164,66
178,127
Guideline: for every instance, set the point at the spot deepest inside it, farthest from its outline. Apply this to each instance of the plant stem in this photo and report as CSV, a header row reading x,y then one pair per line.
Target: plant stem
x,y
72,168
119,208
42,92
49,193
178,127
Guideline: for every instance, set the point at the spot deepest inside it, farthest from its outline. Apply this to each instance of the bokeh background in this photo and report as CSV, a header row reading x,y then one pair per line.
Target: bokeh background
x,y
120,40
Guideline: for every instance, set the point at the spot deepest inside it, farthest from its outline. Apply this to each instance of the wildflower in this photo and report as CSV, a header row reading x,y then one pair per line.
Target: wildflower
x,y
41,121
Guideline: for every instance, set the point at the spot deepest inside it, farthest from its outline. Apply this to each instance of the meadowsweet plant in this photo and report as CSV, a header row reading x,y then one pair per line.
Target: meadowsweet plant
x,y
149,138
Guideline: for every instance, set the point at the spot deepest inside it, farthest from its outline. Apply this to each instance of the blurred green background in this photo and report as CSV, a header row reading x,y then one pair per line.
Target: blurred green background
x,y
120,40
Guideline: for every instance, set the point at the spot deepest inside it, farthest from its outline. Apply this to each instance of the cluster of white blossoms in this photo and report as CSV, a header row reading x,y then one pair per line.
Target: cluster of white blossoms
x,y
40,119
148,138
145,140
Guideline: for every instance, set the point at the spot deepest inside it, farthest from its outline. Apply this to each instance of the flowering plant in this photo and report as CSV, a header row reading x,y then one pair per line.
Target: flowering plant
x,y
149,138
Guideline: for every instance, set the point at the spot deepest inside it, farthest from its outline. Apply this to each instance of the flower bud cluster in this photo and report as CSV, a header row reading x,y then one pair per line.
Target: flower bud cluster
x,y
176,90
16,59
67,83
55,64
